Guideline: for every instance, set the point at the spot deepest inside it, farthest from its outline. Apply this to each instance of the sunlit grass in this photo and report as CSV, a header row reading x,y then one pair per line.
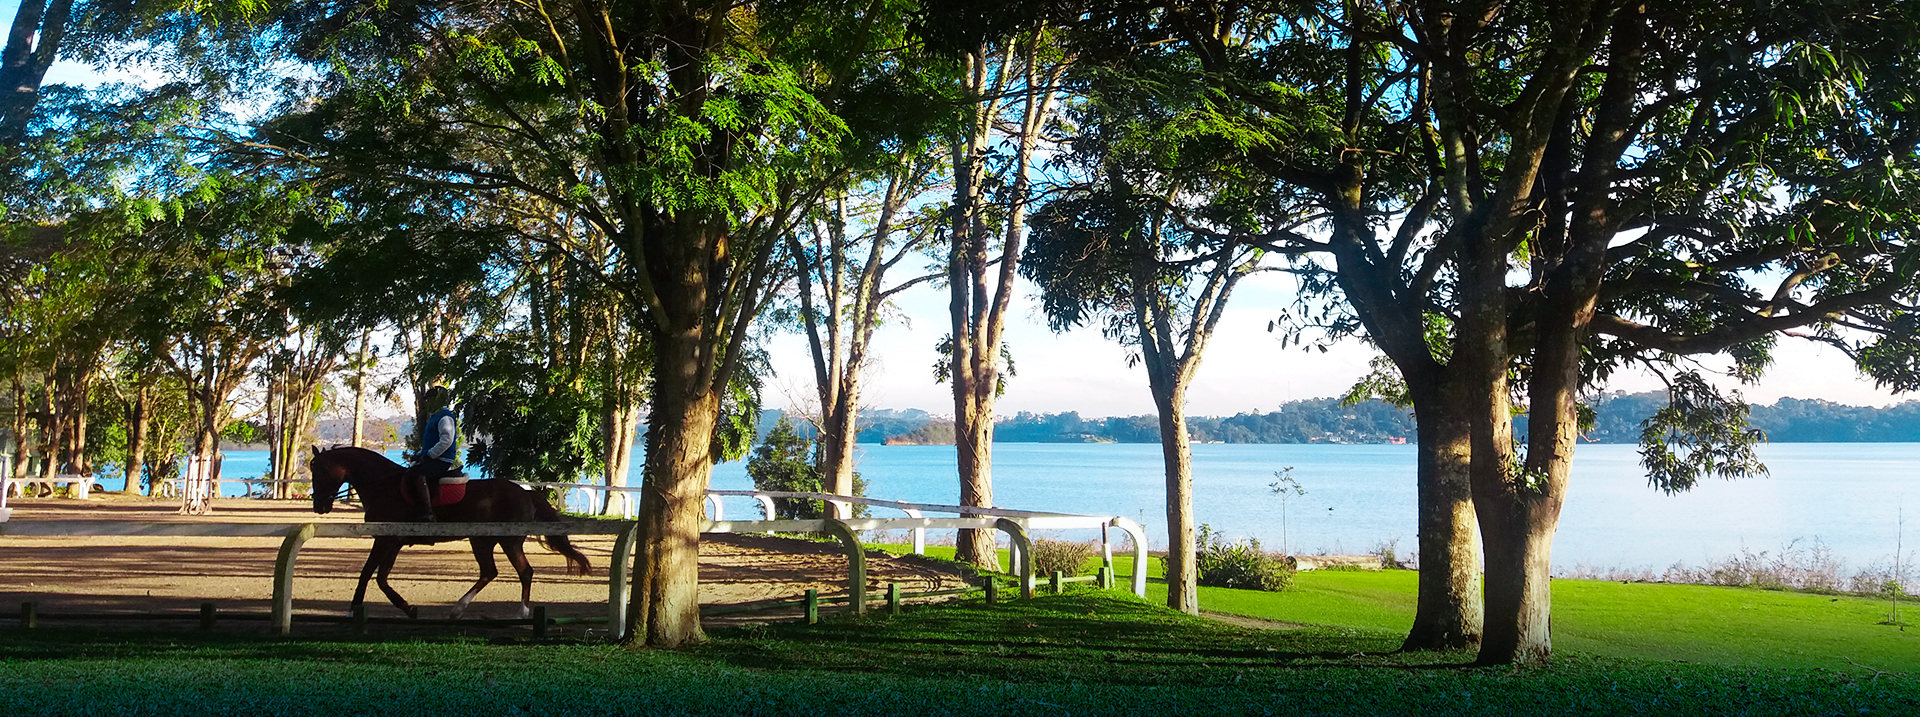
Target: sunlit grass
x,y
1085,652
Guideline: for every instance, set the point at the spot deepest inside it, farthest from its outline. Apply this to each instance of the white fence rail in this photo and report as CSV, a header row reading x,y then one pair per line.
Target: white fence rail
x,y
1028,519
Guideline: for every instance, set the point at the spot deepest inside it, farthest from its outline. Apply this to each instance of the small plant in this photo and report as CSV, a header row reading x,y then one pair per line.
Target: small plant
x,y
1061,556
1287,488
1385,549
1239,565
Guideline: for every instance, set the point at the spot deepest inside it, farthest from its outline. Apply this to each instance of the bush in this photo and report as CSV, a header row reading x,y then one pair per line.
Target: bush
x,y
1061,556
1240,565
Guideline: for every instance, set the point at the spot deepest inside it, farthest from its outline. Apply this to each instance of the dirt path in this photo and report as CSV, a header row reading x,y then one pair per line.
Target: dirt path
x,y
177,574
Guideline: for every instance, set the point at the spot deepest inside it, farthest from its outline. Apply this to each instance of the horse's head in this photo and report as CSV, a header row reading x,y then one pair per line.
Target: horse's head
x,y
329,472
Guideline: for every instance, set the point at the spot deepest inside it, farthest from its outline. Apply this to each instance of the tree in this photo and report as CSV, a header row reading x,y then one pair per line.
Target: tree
x,y
1661,193
685,139
1131,248
842,277
1008,84
1330,102
1288,488
783,462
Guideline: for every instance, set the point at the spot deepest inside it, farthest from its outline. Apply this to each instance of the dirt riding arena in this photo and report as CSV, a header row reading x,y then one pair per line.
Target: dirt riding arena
x,y
177,574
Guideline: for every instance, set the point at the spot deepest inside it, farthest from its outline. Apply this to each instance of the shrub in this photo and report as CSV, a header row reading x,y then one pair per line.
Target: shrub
x,y
1062,556
1240,565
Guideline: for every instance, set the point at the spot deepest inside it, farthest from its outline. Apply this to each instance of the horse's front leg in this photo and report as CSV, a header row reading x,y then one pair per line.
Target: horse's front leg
x,y
482,554
366,574
516,551
388,555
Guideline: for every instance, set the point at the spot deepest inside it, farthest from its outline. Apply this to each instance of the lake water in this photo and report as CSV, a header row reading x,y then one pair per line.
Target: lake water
x,y
1849,496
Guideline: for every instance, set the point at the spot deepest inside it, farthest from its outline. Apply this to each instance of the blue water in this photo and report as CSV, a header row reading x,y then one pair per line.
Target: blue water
x,y
1850,496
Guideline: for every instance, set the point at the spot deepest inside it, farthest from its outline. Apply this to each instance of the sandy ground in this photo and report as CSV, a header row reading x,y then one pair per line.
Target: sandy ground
x,y
177,574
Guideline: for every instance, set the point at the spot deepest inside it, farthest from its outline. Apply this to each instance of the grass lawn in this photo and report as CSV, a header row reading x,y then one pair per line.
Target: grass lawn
x,y
1086,652
1692,623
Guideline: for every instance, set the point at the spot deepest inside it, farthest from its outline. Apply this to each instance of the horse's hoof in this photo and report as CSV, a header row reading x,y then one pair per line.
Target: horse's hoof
x,y
413,612
525,612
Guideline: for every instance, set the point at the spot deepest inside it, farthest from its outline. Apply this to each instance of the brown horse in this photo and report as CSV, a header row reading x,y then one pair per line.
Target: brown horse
x,y
378,482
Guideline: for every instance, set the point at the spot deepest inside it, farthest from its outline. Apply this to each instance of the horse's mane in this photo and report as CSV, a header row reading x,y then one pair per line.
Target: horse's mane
x,y
355,455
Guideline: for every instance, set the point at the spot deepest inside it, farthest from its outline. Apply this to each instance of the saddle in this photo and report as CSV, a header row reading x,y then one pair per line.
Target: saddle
x,y
451,488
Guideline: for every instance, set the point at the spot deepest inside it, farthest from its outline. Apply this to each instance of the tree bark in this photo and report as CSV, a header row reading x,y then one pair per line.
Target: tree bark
x,y
360,394
665,605
32,46
1176,450
620,421
49,431
137,442
1449,611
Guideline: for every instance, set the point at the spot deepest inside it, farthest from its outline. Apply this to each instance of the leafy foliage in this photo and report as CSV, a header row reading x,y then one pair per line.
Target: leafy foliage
x,y
1240,565
1700,433
784,462
1061,556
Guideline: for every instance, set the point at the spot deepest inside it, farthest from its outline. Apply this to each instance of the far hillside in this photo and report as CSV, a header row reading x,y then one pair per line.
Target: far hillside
x,y
1324,420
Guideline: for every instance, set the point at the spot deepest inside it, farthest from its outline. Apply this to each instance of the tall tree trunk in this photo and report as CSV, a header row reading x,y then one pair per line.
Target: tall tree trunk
x,y
1449,611
665,605
32,46
1176,450
137,443
17,426
619,422
967,313
1498,496
360,394
49,431
838,429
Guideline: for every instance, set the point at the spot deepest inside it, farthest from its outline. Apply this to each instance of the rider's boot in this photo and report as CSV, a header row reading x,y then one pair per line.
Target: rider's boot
x,y
416,487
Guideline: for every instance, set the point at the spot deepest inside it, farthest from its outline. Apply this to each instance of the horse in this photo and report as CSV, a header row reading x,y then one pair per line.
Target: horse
x,y
378,481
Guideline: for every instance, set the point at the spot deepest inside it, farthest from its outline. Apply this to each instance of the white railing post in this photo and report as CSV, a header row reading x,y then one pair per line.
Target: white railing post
x,y
1138,534
196,495
919,534
717,514
6,474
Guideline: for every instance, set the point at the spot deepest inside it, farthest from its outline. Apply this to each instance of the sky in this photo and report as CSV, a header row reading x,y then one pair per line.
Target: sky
x,y
1243,370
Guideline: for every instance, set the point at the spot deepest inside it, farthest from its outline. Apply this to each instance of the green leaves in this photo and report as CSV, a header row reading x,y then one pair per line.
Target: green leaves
x,y
1700,433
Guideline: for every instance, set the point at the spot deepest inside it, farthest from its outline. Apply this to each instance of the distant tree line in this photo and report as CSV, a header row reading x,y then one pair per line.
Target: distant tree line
x,y
1618,418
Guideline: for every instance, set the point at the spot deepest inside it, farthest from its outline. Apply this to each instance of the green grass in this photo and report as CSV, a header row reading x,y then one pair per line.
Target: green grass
x,y
1086,652
1692,623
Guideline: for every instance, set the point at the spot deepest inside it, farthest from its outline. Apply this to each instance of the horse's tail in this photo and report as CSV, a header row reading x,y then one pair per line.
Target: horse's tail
x,y
577,564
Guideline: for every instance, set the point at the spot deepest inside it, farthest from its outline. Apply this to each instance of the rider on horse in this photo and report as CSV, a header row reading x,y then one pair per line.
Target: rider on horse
x,y
439,450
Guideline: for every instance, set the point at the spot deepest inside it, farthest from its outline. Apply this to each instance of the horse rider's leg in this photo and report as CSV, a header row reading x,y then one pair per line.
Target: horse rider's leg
x,y
482,554
386,566
415,482
515,548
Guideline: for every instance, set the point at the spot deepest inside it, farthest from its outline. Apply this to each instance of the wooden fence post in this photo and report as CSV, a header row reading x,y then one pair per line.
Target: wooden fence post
x,y
993,591
893,598
813,606
358,617
207,612
539,622
283,577
1057,585
29,614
